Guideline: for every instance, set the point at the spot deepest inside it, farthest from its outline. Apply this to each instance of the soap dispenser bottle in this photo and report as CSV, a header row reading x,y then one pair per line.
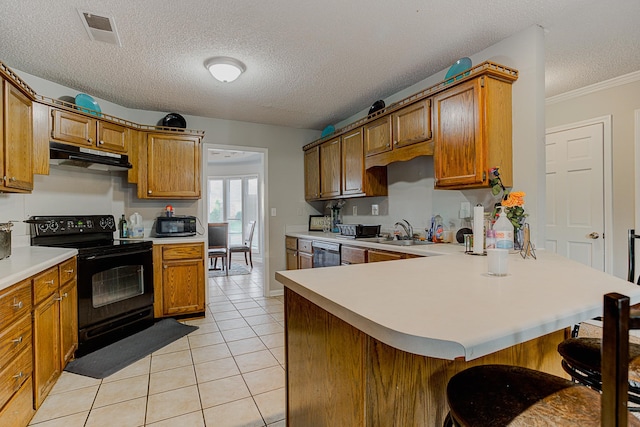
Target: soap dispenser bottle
x,y
503,230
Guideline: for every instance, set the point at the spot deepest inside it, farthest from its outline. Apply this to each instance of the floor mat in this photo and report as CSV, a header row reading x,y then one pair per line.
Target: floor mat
x,y
236,269
112,358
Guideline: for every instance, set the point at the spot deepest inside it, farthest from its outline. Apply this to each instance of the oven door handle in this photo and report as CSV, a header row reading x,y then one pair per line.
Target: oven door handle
x,y
95,257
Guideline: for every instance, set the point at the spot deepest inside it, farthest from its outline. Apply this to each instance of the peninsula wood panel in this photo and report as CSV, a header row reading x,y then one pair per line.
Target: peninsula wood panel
x,y
325,367
392,387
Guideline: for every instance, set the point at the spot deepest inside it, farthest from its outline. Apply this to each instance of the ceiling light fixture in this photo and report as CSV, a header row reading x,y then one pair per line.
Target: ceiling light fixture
x,y
224,69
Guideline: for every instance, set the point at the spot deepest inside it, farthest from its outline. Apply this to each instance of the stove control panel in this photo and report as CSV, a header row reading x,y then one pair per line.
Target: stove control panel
x,y
59,225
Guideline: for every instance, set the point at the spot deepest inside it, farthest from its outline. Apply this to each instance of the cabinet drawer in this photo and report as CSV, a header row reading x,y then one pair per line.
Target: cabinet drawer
x,y
14,375
291,243
304,246
67,271
183,251
15,302
14,339
45,284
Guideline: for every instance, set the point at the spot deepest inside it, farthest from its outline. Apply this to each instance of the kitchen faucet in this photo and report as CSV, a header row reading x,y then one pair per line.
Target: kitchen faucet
x,y
408,229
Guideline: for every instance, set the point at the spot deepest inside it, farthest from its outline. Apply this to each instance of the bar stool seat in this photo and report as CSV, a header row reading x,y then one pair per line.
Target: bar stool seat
x,y
582,358
501,395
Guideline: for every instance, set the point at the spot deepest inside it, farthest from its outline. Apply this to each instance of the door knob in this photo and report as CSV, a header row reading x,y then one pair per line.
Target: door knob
x,y
593,235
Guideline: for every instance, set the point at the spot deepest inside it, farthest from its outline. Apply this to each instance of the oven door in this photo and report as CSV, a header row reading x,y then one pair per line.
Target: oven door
x,y
113,285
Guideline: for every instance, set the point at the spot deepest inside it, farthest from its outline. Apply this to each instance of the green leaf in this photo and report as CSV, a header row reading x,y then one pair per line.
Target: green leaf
x,y
495,190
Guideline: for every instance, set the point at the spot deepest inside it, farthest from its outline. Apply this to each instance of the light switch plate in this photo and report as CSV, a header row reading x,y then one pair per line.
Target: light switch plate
x,y
355,210
273,211
375,210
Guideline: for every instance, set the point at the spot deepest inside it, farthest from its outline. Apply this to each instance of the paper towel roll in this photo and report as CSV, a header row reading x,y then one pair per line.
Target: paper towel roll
x,y
478,229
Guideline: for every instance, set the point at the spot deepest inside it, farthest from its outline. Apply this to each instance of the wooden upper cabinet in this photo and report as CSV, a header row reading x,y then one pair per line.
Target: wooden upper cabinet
x,y
330,169
172,167
356,181
78,129
352,162
412,124
312,173
473,133
16,140
377,136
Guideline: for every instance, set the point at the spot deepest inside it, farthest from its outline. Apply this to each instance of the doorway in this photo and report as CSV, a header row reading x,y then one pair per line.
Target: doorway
x,y
236,192
578,185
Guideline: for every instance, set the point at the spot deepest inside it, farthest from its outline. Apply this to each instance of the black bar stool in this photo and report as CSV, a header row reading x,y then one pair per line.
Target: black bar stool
x,y
501,395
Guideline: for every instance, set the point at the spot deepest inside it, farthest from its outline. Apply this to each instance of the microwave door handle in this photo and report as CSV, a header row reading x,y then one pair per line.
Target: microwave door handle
x,y
95,257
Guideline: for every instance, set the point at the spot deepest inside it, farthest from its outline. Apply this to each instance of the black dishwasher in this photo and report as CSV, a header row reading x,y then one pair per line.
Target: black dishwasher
x,y
325,254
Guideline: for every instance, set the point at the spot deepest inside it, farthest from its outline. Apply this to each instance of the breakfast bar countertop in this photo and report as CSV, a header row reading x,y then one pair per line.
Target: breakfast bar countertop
x,y
448,307
26,261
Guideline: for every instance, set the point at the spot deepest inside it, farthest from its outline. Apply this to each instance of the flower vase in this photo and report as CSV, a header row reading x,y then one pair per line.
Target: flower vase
x,y
518,239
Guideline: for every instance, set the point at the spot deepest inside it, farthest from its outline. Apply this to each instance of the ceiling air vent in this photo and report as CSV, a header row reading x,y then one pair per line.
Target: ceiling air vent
x,y
100,28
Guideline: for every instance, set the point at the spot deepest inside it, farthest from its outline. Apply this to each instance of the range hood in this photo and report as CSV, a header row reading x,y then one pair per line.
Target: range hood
x,y
70,155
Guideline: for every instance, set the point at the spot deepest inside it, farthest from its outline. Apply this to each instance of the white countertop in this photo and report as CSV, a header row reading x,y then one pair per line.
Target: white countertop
x,y
169,240
26,261
448,307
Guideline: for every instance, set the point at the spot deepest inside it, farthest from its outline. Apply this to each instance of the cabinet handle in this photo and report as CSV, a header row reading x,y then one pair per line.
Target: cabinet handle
x,y
69,271
165,266
90,140
18,376
100,142
58,298
13,179
50,282
17,305
17,340
148,191
64,295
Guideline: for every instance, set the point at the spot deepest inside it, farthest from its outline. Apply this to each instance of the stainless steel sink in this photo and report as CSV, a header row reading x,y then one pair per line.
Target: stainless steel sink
x,y
406,242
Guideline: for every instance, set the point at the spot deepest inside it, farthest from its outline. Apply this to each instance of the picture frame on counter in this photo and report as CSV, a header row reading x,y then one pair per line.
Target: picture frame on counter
x,y
316,222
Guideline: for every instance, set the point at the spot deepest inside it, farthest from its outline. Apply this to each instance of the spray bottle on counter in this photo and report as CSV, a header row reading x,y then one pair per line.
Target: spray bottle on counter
x,y
503,230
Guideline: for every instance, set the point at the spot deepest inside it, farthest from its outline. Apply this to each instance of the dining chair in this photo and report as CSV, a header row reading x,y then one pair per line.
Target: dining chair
x,y
218,244
246,246
501,395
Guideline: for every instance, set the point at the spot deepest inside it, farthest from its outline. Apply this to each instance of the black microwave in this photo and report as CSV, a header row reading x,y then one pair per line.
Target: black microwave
x,y
175,226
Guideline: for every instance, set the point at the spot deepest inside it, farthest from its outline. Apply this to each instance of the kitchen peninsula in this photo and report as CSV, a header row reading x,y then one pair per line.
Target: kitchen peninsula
x,y
375,344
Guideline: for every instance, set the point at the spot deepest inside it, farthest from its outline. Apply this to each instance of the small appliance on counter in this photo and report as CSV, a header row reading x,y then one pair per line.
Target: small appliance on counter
x,y
358,231
175,226
5,239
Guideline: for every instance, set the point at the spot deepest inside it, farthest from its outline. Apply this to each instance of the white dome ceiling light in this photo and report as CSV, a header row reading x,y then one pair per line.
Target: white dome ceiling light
x,y
225,69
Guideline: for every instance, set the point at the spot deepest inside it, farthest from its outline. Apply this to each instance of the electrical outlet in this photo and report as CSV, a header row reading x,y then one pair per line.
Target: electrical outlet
x,y
465,210
355,210
375,210
273,211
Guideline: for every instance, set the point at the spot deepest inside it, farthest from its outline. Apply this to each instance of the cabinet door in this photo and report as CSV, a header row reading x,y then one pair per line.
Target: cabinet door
x,y
377,256
377,136
312,173
352,162
173,166
459,156
112,137
412,124
183,288
305,260
18,139
330,168
46,347
73,128
292,259
68,321
353,255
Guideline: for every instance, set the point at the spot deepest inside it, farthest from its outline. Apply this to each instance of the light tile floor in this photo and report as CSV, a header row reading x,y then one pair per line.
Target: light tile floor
x,y
227,373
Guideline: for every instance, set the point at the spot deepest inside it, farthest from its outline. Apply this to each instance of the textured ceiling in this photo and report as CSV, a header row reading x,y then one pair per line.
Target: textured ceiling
x,y
309,63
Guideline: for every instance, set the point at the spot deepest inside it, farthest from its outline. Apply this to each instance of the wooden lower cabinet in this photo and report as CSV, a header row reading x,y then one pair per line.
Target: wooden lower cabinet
x,y
179,285
375,255
46,347
353,255
305,254
55,325
291,244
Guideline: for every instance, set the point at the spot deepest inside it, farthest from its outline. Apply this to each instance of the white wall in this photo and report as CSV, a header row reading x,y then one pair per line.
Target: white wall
x,y
620,102
411,193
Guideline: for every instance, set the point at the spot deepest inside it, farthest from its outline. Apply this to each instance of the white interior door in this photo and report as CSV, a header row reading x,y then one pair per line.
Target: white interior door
x,y
575,194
